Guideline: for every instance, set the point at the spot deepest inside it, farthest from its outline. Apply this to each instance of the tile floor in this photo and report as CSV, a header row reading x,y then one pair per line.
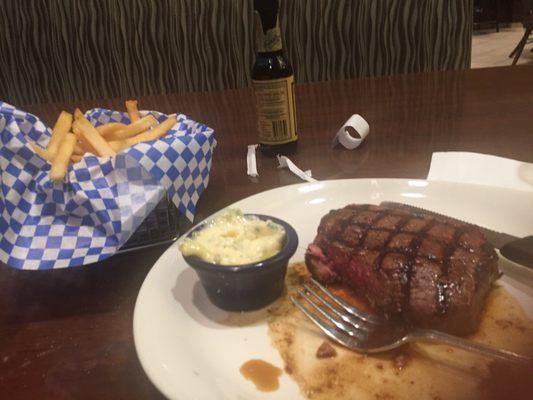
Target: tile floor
x,y
492,49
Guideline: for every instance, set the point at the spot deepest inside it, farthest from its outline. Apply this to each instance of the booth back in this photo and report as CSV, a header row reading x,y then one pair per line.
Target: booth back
x,y
67,50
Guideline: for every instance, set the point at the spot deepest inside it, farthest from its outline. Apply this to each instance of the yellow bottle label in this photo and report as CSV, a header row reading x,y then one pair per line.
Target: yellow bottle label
x,y
276,111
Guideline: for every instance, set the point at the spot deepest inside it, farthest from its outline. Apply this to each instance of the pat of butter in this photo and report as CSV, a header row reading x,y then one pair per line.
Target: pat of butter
x,y
232,238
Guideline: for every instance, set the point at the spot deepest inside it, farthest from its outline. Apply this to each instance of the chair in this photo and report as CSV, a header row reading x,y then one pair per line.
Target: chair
x,y
528,26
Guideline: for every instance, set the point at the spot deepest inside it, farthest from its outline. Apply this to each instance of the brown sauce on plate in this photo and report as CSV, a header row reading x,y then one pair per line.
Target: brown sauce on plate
x,y
264,375
508,381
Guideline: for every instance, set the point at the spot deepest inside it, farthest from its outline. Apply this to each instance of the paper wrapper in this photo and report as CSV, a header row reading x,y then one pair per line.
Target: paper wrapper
x,y
101,202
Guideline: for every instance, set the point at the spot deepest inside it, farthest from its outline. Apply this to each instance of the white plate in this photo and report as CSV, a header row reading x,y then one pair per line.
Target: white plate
x,y
189,353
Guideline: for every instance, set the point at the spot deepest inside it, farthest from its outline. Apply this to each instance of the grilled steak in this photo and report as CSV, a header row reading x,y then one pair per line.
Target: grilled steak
x,y
427,271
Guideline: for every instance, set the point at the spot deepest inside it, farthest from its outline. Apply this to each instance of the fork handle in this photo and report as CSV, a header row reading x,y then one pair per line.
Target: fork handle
x,y
437,336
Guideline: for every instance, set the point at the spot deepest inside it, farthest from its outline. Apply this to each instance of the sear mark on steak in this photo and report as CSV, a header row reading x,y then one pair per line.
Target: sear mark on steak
x,y
426,271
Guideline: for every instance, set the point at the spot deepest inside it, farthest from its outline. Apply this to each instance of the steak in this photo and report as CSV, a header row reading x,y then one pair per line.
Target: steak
x,y
425,271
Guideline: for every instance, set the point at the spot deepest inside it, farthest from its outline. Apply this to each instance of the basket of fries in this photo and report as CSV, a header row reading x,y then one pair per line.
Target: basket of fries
x,y
98,182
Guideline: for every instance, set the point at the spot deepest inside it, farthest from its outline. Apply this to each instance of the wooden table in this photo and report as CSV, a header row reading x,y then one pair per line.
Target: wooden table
x,y
68,333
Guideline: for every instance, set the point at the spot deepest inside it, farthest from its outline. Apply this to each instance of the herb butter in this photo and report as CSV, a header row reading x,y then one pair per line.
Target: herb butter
x,y
232,238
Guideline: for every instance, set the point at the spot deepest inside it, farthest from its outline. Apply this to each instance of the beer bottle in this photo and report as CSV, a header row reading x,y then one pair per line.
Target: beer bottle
x,y
273,83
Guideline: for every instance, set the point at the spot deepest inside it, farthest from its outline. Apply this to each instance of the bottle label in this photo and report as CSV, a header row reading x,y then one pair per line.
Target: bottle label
x,y
276,112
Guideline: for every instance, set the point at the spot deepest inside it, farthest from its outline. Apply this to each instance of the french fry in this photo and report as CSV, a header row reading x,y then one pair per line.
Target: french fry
x,y
78,114
133,111
85,146
39,150
156,133
133,129
61,160
61,128
78,149
88,133
111,127
73,135
118,145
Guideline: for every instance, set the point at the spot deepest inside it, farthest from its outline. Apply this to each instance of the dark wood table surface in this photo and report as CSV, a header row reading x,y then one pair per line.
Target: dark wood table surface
x,y
68,333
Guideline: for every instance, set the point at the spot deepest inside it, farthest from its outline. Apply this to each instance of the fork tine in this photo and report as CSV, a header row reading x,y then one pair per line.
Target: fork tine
x,y
367,317
356,322
346,327
333,333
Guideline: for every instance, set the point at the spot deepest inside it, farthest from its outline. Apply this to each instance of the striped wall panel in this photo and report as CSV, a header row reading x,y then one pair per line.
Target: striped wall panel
x,y
67,50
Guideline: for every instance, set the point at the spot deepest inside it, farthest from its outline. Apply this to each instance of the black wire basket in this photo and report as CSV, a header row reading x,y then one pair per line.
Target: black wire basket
x,y
161,226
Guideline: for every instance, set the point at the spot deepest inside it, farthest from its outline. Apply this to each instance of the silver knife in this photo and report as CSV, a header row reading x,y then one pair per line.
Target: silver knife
x,y
518,250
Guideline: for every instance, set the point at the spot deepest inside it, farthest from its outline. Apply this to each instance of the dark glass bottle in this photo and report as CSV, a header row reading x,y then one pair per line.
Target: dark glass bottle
x,y
273,84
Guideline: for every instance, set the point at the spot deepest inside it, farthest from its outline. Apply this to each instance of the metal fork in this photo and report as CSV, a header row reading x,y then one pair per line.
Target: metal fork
x,y
367,333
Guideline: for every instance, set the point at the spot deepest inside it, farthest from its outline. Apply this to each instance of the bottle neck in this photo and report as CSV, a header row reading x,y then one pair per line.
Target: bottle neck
x,y
268,41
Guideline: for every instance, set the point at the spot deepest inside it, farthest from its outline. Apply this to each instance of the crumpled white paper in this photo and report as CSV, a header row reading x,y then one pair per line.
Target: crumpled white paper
x,y
285,162
251,162
343,135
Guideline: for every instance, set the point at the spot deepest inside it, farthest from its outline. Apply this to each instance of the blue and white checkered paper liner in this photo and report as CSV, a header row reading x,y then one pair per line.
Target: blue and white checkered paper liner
x,y
92,213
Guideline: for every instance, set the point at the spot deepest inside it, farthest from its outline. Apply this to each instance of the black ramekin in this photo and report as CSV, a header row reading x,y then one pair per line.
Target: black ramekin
x,y
246,287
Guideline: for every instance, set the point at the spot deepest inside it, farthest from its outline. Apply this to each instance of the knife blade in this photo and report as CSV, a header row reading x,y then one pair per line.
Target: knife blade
x,y
518,250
